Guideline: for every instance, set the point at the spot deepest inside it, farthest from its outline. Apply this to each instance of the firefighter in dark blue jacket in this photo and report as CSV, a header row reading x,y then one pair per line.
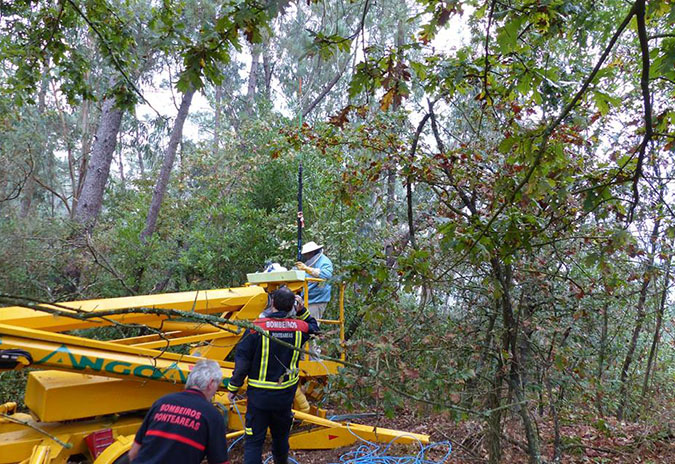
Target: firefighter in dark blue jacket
x,y
273,374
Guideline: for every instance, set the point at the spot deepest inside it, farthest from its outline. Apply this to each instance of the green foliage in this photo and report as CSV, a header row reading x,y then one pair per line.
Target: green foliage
x,y
273,184
203,57
32,256
326,46
13,385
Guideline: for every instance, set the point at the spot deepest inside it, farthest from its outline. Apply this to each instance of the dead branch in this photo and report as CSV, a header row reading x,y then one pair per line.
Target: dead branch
x,y
37,429
216,321
53,192
408,188
105,264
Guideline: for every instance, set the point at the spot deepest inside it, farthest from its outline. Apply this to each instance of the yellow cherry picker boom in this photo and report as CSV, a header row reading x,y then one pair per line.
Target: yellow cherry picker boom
x,y
86,398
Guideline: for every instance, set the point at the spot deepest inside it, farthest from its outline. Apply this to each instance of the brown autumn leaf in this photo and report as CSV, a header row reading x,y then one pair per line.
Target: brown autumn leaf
x,y
387,99
340,119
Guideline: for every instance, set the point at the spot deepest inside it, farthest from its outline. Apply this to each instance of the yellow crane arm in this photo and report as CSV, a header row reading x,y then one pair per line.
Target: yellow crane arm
x,y
76,354
247,302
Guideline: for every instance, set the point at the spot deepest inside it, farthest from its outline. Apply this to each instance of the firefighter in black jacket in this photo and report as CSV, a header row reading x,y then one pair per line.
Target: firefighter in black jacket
x,y
273,375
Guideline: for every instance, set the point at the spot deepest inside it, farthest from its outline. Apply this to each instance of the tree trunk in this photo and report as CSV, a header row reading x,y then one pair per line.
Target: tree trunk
x,y
84,155
51,177
557,438
657,330
494,395
504,280
494,419
253,79
120,160
167,166
389,211
628,360
139,153
27,198
521,379
601,359
91,199
533,445
268,68
218,118
637,330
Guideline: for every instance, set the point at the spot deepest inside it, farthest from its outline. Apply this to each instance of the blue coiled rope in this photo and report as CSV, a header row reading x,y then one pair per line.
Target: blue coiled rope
x,y
372,453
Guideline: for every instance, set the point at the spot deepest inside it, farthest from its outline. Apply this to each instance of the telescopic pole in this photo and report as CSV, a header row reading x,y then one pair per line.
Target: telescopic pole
x,y
301,221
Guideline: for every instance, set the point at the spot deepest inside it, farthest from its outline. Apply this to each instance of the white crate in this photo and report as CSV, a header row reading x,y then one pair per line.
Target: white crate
x,y
276,276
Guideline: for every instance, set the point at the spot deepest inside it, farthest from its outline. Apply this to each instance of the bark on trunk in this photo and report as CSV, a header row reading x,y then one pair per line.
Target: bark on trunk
x,y
86,143
167,166
84,155
268,67
91,199
533,445
494,396
494,420
628,360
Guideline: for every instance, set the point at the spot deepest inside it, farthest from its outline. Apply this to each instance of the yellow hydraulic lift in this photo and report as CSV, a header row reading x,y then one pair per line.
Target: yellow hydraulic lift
x,y
88,397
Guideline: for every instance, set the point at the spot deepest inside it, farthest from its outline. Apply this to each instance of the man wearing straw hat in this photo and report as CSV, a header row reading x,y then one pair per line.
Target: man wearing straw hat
x,y
316,263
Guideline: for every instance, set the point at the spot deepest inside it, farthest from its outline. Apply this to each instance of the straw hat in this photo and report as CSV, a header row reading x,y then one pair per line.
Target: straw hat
x,y
309,247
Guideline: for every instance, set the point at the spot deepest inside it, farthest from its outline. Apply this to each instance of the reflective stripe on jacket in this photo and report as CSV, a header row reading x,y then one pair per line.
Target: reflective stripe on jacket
x,y
267,364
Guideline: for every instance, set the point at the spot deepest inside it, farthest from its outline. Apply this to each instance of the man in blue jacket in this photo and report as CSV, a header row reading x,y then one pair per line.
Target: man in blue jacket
x,y
273,374
316,263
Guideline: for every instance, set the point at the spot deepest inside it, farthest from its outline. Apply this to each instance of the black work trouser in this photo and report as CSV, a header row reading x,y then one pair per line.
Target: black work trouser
x,y
257,422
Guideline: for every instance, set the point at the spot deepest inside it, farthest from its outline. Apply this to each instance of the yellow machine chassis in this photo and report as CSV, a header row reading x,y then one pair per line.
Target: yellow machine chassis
x,y
92,385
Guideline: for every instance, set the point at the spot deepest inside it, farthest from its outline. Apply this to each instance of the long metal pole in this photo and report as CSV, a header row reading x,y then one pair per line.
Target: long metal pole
x,y
301,221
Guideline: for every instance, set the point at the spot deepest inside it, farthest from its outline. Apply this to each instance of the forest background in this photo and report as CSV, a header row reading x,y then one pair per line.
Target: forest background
x,y
499,207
